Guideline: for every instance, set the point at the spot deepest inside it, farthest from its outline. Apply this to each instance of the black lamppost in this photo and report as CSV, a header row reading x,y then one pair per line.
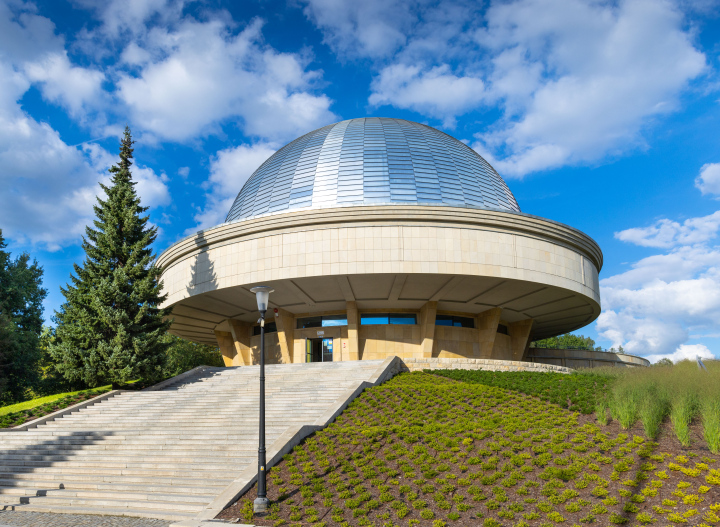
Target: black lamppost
x,y
262,293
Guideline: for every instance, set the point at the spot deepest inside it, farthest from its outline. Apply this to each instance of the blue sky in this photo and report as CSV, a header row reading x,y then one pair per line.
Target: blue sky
x,y
602,115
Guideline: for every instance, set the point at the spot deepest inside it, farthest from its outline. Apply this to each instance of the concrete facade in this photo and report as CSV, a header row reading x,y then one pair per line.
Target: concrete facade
x,y
584,358
518,277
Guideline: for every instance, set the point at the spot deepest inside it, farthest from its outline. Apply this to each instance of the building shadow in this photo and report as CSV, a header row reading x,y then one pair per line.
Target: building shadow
x,y
36,455
202,272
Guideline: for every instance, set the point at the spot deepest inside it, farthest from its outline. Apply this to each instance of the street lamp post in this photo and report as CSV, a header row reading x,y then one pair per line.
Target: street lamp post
x,y
262,293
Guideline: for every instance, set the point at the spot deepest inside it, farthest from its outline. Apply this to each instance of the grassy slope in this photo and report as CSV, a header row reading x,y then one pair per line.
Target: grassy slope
x,y
422,450
32,403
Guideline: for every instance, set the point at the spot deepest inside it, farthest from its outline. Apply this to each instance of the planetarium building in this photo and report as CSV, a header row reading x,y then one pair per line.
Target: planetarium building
x,y
381,237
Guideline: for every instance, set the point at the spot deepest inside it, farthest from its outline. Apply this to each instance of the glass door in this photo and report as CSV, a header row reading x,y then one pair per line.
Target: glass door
x,y
327,350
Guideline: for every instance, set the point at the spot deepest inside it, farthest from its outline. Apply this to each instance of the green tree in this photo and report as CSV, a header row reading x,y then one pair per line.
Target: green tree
x,y
566,341
21,297
664,362
111,328
183,355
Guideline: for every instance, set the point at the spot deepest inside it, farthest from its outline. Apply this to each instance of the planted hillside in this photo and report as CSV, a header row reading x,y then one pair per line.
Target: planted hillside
x,y
423,450
11,419
681,394
576,392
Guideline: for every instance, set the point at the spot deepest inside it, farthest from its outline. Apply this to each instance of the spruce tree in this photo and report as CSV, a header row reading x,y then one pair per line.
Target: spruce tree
x,y
111,326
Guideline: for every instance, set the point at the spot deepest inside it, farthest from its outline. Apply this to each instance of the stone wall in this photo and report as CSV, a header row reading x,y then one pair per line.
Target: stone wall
x,y
480,364
584,358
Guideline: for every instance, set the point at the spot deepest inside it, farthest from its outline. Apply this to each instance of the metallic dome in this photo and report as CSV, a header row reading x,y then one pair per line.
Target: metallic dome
x,y
372,161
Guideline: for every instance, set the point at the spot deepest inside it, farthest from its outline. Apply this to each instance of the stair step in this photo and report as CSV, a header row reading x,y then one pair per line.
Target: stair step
x,y
168,453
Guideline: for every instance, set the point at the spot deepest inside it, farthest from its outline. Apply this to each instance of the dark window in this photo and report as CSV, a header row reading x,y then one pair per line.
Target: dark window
x,y
452,320
502,328
322,322
373,319
270,327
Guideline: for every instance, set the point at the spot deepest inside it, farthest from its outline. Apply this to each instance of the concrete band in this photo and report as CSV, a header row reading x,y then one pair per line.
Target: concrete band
x,y
535,277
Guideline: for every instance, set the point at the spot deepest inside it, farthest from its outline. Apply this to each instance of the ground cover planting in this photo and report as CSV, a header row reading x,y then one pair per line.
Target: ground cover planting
x,y
577,392
20,413
425,450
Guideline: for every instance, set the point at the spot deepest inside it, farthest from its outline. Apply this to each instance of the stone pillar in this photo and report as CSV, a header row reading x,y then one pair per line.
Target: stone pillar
x,y
487,324
427,328
241,333
225,343
286,330
520,337
353,326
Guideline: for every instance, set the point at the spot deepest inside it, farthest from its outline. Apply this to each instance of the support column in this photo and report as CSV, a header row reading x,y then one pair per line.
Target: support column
x,y
427,328
241,333
487,324
353,327
286,334
225,343
520,334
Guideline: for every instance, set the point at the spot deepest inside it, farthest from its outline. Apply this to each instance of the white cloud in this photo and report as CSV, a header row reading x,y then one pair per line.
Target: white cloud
x,y
436,92
709,179
652,308
129,17
62,83
151,187
667,233
202,75
229,170
575,80
685,352
374,28
607,71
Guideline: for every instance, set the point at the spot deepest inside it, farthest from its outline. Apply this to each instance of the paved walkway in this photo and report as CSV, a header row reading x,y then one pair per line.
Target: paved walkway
x,y
46,519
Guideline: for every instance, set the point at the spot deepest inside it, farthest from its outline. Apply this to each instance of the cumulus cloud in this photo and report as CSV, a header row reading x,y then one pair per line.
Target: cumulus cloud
x,y
374,28
413,88
607,70
201,75
652,308
49,187
229,170
685,352
709,179
70,86
575,80
667,233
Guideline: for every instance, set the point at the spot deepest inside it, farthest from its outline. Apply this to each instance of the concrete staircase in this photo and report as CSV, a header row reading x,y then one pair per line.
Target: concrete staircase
x,y
164,454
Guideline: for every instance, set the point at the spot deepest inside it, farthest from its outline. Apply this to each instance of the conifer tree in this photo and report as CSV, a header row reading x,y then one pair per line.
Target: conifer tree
x,y
21,296
111,328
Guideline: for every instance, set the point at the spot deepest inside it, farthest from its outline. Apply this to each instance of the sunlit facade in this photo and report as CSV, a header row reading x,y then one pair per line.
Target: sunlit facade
x,y
381,237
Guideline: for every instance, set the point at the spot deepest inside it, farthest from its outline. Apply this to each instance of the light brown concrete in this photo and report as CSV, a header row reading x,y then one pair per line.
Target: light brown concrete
x,y
584,358
377,342
241,333
353,340
227,349
427,328
384,257
520,337
487,324
286,329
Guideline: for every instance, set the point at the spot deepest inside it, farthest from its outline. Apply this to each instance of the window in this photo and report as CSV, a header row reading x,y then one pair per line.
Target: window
x,y
502,328
374,319
270,327
322,322
452,320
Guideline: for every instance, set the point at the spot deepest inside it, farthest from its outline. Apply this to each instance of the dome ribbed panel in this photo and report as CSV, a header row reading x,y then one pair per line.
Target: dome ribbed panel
x,y
372,161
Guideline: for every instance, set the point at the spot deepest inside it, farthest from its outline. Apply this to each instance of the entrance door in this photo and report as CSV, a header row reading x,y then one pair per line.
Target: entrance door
x,y
319,350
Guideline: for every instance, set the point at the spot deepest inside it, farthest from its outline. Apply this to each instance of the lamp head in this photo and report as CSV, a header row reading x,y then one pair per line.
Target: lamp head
x,y
262,293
